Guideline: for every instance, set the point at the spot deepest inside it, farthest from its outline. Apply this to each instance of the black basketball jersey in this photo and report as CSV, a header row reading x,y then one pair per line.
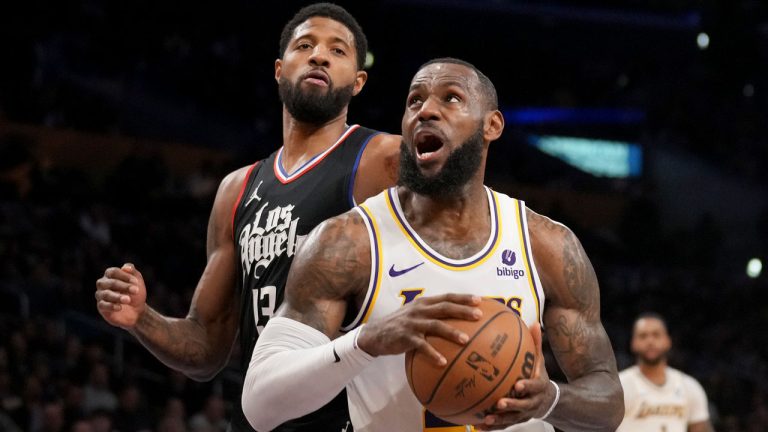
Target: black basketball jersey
x,y
275,212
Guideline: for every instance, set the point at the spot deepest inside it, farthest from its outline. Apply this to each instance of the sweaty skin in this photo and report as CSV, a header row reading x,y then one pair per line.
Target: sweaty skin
x,y
332,269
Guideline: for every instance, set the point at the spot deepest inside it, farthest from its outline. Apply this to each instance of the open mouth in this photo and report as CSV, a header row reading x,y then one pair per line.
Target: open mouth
x,y
427,144
317,77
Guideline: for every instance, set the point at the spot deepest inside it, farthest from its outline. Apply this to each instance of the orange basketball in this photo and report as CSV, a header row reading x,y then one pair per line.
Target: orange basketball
x,y
500,351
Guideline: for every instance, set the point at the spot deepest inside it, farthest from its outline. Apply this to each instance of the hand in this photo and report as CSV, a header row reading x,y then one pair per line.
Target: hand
x,y
121,296
532,397
407,328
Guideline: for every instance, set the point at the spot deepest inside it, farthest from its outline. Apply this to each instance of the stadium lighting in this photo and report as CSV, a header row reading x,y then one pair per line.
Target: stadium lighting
x,y
702,40
754,268
368,60
749,90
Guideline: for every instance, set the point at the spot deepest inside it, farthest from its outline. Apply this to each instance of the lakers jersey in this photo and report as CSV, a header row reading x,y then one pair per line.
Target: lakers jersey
x,y
275,212
667,408
403,268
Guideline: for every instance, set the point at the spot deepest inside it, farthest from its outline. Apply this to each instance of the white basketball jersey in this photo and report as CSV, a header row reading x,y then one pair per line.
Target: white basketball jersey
x,y
667,408
403,268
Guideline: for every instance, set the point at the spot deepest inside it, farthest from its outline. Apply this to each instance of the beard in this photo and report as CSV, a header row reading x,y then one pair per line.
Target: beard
x,y
313,106
653,361
461,164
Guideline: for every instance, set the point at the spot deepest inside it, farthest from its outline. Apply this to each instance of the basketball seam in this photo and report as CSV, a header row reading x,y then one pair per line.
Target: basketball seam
x,y
458,355
512,363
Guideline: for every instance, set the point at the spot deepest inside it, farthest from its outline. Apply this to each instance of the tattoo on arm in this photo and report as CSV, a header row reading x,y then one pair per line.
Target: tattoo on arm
x,y
330,269
574,327
592,399
199,344
176,342
580,277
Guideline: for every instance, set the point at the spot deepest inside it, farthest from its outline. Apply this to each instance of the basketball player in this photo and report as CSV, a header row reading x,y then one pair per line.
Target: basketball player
x,y
388,271
658,398
263,212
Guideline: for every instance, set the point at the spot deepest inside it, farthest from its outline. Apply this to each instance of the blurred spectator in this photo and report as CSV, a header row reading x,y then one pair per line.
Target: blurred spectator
x,y
53,417
202,184
74,402
132,414
173,418
81,425
212,418
93,221
16,166
171,424
9,400
100,420
7,424
97,392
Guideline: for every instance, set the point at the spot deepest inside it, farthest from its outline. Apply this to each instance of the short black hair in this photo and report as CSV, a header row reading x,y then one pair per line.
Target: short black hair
x,y
334,12
651,315
487,88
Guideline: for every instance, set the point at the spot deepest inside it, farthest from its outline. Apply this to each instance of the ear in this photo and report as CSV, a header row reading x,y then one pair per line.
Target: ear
x,y
278,69
494,126
360,79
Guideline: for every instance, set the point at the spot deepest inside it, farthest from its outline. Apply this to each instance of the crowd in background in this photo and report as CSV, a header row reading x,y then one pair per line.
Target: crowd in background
x,y
63,369
144,69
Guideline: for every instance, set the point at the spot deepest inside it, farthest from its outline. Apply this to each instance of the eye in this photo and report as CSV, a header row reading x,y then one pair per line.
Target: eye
x,y
303,46
338,51
414,100
453,98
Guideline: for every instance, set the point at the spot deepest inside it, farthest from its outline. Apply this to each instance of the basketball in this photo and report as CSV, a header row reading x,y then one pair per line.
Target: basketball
x,y
500,350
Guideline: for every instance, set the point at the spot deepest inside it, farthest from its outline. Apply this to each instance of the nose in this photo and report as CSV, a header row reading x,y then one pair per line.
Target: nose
x,y
319,57
429,110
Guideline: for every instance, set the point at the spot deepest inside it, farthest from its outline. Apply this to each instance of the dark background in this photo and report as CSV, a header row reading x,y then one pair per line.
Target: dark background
x,y
118,119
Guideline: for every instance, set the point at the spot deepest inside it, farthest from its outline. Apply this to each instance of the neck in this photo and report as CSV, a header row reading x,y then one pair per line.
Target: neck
x,y
656,373
457,217
303,140
463,202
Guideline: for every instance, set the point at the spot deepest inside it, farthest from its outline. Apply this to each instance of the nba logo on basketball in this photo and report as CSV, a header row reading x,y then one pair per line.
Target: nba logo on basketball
x,y
508,259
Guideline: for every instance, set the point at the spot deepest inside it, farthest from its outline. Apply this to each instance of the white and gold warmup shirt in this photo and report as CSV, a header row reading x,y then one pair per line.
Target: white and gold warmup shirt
x,y
403,268
667,408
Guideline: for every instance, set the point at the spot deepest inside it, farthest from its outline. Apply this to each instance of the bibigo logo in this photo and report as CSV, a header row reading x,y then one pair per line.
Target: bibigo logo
x,y
508,259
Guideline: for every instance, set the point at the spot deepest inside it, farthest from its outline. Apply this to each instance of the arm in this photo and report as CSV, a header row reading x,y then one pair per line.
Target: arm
x,y
699,407
378,166
331,269
295,346
199,344
592,400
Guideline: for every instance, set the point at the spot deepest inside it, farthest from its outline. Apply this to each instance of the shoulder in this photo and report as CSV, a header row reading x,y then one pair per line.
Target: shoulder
x,y
556,249
628,372
383,144
690,383
628,376
566,274
235,180
333,261
630,382
385,139
347,229
547,233
231,189
378,167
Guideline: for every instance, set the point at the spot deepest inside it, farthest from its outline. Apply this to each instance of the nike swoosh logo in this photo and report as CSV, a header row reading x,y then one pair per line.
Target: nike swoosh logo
x,y
396,273
338,359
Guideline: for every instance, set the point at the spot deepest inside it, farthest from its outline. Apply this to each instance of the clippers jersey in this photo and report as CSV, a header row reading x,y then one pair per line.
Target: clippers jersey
x,y
667,408
275,212
404,267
